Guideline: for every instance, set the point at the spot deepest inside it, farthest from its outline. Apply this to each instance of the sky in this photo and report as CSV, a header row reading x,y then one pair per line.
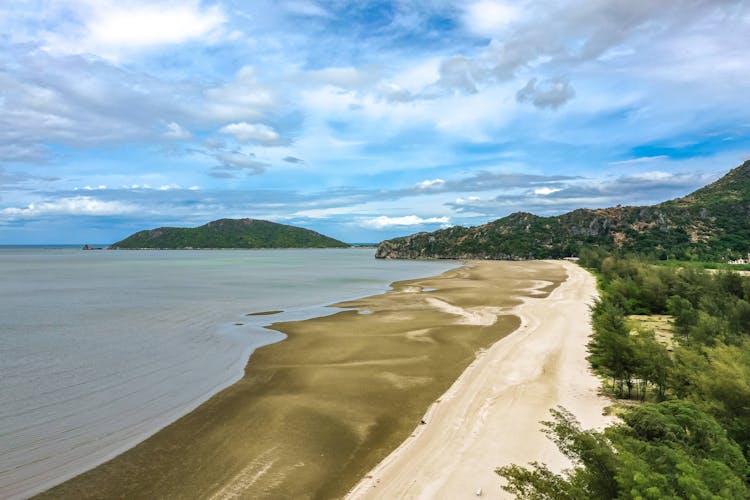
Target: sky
x,y
363,120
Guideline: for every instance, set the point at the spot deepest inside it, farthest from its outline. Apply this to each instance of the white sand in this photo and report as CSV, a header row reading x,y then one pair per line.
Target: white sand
x,y
490,416
481,316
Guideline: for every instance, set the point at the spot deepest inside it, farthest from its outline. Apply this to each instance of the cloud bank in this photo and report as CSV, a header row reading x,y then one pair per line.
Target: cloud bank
x,y
369,119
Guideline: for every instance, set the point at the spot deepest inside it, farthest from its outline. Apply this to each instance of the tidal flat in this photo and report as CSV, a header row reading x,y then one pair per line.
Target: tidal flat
x,y
100,350
316,412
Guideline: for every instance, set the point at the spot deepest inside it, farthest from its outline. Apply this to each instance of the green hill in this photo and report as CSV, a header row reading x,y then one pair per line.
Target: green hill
x,y
713,223
229,233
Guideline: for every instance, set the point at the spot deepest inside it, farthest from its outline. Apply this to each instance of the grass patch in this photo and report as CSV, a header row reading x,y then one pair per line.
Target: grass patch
x,y
661,324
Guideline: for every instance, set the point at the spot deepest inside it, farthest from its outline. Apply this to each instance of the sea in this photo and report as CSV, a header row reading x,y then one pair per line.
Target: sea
x,y
100,349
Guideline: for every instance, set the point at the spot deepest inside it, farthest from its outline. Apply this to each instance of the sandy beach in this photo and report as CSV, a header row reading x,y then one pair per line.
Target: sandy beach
x,y
490,415
315,412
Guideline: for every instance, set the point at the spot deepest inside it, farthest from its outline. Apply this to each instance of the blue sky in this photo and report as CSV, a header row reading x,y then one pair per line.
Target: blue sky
x,y
362,120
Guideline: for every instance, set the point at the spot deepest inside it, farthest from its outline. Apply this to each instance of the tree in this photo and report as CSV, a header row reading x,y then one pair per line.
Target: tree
x,y
593,474
612,348
675,450
708,330
722,388
652,363
685,315
661,450
654,293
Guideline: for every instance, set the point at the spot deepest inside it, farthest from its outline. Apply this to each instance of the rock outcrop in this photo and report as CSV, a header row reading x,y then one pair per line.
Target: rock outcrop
x,y
711,223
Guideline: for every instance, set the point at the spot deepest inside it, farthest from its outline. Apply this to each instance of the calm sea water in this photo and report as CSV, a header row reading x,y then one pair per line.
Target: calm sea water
x,y
100,349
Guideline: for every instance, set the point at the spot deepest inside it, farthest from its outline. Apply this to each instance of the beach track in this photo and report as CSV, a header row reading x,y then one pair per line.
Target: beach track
x,y
490,416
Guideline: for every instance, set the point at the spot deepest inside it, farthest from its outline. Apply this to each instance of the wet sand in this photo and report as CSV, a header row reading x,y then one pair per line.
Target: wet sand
x,y
314,413
490,416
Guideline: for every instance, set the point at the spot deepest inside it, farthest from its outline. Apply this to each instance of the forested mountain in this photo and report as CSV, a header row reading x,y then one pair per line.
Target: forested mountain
x,y
713,223
229,233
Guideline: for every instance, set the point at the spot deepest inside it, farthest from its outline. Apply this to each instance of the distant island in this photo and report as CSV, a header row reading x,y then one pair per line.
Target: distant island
x,y
228,233
713,223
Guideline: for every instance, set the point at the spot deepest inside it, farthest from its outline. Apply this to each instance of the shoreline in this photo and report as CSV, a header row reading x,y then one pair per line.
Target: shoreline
x,y
55,456
208,453
490,415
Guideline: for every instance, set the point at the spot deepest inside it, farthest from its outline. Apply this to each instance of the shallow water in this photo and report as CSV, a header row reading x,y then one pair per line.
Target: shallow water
x,y
100,349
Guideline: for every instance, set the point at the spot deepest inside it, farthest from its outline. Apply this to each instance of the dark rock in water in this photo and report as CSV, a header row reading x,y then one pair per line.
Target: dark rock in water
x,y
89,247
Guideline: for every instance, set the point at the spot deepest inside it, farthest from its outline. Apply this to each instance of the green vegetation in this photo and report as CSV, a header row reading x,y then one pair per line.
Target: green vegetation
x,y
230,233
663,450
704,265
670,337
710,224
662,326
689,437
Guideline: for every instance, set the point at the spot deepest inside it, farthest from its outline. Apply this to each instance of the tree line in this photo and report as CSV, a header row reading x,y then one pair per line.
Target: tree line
x,y
686,433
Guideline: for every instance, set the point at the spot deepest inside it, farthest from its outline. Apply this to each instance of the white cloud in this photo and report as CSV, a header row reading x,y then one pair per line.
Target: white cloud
x,y
459,116
546,191
394,93
344,77
419,74
231,162
383,221
467,201
149,24
652,176
252,132
547,93
78,205
642,159
241,99
175,131
111,29
460,74
430,184
163,187
487,17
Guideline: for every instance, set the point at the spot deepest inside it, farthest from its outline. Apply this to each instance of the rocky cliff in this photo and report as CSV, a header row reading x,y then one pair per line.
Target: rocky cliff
x,y
711,223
